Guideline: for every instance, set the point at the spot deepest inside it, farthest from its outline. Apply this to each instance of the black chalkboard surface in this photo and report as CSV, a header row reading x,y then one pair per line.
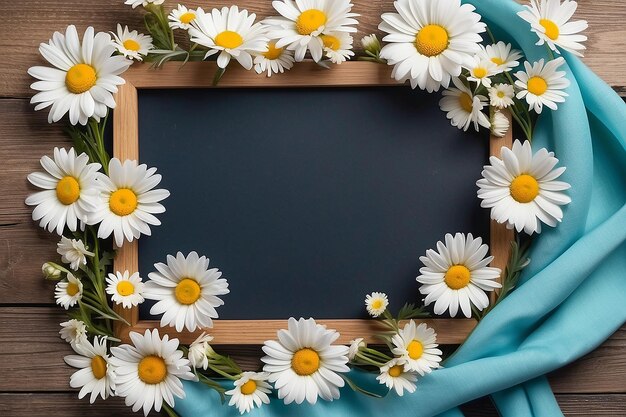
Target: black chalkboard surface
x,y
308,198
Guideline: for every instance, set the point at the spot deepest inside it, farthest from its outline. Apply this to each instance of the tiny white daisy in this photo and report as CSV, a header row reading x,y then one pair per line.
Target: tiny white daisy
x,y
337,46
124,289
181,17
501,95
73,252
376,303
457,275
354,347
133,45
550,21
542,84
480,70
499,124
521,188
463,108
143,3
274,61
68,292
250,391
416,345
200,350
394,375
96,375
502,54
73,331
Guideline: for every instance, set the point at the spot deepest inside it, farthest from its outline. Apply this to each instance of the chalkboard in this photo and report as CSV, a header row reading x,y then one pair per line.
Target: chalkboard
x,y
308,198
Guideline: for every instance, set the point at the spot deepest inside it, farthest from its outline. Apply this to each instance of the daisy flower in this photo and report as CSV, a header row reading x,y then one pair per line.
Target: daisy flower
x,y
70,191
73,331
301,24
96,375
181,17
303,363
502,55
124,289
499,124
229,32
550,21
274,61
429,40
376,303
542,84
133,45
149,371
457,275
501,95
128,201
337,46
187,291
200,350
521,188
84,78
250,391
68,292
354,347
394,376
416,346
143,3
480,70
73,252
463,108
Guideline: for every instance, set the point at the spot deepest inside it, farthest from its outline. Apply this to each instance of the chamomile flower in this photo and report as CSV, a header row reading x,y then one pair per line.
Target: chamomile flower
x,y
128,202
550,21
200,350
394,375
125,289
229,32
133,45
416,345
274,61
73,252
463,108
502,54
542,84
302,23
354,347
376,303
187,291
73,331
84,78
429,40
70,191
480,70
150,371
501,95
144,3
250,391
68,292
303,364
499,124
457,275
337,46
181,17
522,190
96,374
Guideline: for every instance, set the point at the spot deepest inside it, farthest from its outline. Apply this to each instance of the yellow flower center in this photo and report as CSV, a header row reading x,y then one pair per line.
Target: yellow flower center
x,y
466,101
98,367
228,39
309,21
68,190
72,289
305,362
152,369
524,188
123,202
457,277
248,388
415,349
480,72
497,60
187,291
395,371
432,40
500,94
131,45
552,30
80,78
376,304
537,86
186,18
125,288
331,42
272,52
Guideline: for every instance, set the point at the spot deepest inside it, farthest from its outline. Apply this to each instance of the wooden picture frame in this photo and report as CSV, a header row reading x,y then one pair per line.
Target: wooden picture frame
x,y
306,74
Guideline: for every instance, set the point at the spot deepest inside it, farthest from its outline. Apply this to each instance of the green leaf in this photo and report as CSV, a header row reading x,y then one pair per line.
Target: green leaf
x,y
358,389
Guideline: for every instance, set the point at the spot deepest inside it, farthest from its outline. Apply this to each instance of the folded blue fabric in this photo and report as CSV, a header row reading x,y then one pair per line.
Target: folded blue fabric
x,y
571,297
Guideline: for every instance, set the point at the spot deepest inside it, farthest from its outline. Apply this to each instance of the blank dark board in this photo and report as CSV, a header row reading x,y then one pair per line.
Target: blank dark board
x,y
307,199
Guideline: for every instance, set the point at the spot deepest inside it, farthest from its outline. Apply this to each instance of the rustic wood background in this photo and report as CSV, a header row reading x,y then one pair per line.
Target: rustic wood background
x,y
34,378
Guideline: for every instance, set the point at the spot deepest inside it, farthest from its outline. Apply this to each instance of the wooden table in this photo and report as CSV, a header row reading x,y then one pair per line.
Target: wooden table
x,y
34,378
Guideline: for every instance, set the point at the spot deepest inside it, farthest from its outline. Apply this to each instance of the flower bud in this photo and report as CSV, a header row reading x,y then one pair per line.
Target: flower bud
x,y
52,271
371,44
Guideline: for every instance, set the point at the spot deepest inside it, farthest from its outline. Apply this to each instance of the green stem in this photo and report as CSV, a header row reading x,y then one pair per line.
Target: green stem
x,y
222,373
369,360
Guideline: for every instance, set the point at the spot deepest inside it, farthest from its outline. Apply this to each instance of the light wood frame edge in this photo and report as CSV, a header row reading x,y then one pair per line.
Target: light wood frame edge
x,y
307,74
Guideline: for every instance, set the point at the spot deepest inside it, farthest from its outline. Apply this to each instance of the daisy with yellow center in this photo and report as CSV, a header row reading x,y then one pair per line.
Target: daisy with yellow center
x,y
303,364
273,61
133,45
150,371
457,276
429,40
522,190
550,21
96,375
83,79
481,70
337,46
463,108
181,17
501,95
73,252
417,346
542,84
68,292
376,303
125,289
250,391
187,291
502,55
395,376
